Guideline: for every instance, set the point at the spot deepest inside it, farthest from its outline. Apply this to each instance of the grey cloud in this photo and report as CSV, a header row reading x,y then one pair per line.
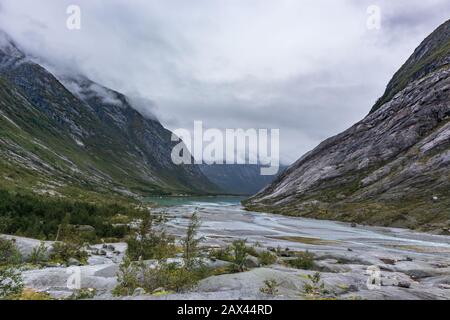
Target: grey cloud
x,y
309,68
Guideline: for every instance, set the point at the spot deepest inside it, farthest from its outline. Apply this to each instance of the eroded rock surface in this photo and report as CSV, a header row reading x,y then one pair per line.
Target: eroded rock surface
x,y
393,167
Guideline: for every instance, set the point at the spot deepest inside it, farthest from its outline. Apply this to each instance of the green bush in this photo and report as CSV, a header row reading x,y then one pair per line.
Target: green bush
x,y
9,255
316,287
304,260
170,276
239,253
83,294
267,258
223,254
128,277
41,217
270,287
30,294
151,241
38,254
62,252
251,251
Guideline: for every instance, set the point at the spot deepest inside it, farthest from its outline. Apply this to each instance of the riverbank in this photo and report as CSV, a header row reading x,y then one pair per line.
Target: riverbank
x,y
354,262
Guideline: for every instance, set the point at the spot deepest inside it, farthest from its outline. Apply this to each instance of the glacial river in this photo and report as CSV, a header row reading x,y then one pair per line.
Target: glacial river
x,y
224,220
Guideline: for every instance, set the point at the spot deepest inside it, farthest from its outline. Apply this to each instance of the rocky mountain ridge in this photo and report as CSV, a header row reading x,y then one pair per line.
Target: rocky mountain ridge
x,y
391,168
62,134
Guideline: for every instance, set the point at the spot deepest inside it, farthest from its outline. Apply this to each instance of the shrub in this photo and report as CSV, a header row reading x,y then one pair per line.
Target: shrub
x,y
223,254
251,251
315,288
165,276
304,260
30,294
239,250
270,287
62,252
83,294
150,242
10,282
128,277
38,254
170,276
267,258
9,255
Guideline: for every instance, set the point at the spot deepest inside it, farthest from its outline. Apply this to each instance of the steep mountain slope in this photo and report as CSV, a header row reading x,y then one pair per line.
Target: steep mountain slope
x,y
242,179
391,168
56,137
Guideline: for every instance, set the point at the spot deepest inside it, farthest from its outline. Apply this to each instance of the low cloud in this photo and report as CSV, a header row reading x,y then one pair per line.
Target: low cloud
x,y
308,68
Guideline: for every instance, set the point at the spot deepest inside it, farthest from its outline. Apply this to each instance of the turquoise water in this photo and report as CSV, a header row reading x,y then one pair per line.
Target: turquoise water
x,y
196,201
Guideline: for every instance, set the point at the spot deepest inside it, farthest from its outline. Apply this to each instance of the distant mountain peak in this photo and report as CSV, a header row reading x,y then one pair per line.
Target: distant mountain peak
x,y
432,54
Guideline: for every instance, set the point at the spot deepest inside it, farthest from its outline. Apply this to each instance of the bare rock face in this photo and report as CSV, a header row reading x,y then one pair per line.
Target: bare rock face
x,y
391,168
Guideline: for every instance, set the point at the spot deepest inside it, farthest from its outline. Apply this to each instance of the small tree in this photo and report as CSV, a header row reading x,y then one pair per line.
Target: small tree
x,y
128,277
150,242
9,255
38,254
191,242
270,287
239,249
316,287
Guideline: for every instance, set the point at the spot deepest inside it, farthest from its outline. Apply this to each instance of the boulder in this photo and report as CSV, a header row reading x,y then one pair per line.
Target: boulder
x,y
251,262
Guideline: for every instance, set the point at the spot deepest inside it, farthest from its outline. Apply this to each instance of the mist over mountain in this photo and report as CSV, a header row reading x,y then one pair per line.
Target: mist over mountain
x,y
66,133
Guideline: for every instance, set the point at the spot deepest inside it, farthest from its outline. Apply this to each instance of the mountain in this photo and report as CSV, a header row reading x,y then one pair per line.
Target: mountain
x,y
237,179
70,135
393,167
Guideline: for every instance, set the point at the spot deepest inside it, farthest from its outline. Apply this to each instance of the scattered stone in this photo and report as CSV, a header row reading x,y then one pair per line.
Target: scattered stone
x,y
444,286
388,282
73,262
287,254
251,262
353,225
418,274
349,249
158,290
388,261
138,292
404,284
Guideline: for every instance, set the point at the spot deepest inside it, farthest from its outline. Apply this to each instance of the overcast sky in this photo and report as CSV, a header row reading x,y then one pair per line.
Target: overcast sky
x,y
309,68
